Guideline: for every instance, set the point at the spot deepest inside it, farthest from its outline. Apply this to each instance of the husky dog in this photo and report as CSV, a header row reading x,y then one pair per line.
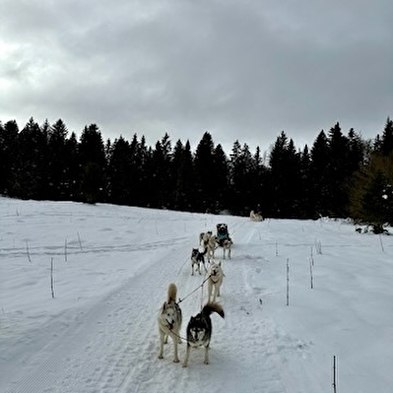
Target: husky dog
x,y
211,246
204,238
169,322
215,278
199,330
226,245
255,216
197,258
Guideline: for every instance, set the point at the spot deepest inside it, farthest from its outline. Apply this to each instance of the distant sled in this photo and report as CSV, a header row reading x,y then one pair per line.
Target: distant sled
x,y
255,216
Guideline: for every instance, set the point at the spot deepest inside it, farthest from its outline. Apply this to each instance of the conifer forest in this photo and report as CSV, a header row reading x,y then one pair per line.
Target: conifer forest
x,y
341,175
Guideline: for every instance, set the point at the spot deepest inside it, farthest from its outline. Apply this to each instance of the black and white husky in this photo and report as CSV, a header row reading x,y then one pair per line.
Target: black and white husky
x,y
199,330
169,322
197,259
226,245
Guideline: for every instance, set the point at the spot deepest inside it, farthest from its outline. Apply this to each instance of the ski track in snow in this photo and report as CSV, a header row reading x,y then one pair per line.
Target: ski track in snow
x,y
67,359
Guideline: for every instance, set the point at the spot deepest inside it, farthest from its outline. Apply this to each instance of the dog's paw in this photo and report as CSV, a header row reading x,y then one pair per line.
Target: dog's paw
x,y
176,360
160,357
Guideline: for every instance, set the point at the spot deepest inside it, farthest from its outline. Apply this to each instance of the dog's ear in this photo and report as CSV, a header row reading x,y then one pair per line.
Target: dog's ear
x,y
164,306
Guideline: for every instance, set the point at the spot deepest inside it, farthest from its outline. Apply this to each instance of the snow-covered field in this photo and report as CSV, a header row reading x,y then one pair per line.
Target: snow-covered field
x,y
112,266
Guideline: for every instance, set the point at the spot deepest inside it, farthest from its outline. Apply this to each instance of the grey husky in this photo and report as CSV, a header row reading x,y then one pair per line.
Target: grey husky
x,y
169,322
199,330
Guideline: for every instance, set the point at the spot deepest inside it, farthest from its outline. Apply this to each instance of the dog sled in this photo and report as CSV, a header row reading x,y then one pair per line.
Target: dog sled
x,y
222,234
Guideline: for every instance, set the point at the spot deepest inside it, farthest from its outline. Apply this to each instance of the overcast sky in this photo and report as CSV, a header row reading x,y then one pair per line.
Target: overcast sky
x,y
242,70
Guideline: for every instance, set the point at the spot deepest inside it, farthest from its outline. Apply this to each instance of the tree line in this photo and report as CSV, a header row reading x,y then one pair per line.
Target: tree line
x,y
341,175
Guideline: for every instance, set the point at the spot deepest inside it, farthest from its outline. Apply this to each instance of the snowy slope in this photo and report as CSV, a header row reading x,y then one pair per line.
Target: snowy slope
x,y
112,267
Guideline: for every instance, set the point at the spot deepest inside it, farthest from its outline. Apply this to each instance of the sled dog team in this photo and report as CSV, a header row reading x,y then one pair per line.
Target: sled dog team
x,y
199,328
208,243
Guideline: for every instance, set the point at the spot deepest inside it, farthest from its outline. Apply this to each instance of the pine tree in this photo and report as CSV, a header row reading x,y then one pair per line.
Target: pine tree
x,y
243,181
372,193
221,171
145,154
204,167
305,206
57,158
72,173
285,176
261,201
184,179
93,165
386,147
319,176
119,168
339,172
8,157
135,173
32,170
160,176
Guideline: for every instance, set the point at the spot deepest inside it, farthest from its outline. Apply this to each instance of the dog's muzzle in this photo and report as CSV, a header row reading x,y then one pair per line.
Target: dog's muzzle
x,y
170,324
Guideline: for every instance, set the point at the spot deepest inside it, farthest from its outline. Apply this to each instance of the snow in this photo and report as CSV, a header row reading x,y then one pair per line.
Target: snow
x,y
112,268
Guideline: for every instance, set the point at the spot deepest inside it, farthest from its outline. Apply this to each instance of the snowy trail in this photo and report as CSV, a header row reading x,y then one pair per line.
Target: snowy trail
x,y
125,326
99,333
68,358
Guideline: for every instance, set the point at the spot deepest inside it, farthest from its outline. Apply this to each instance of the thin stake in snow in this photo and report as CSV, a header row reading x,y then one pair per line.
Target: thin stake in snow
x,y
288,282
80,242
311,273
335,374
65,249
380,241
27,251
318,247
52,279
276,249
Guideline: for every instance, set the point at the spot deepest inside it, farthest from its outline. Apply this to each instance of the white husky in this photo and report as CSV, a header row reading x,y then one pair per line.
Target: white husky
x,y
169,322
215,278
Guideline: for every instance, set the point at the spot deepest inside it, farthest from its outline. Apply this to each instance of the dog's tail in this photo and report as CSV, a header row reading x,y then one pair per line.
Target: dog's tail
x,y
213,307
172,293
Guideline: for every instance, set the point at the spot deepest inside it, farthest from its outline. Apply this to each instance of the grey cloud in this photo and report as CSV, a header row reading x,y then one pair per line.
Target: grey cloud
x,y
242,70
